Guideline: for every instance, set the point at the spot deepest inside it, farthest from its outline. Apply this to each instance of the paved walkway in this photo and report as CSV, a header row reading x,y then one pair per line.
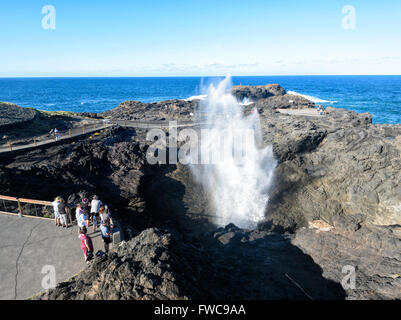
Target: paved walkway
x,y
44,140
28,245
300,112
91,128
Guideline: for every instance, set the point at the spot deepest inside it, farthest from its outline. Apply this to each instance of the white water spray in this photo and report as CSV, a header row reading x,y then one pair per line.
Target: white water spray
x,y
238,183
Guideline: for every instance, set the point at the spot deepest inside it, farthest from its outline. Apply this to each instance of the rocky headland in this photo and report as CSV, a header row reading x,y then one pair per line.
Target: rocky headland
x,y
335,202
11,114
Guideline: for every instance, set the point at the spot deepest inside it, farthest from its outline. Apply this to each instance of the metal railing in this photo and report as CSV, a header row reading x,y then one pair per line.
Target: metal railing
x,y
42,140
36,141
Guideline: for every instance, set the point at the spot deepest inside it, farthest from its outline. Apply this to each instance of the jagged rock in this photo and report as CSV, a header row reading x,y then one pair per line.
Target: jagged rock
x,y
339,163
338,168
148,267
374,252
255,93
164,110
159,264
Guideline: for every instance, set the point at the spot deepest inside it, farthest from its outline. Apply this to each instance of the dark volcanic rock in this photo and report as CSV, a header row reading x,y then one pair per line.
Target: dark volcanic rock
x,y
331,168
170,109
109,165
148,267
163,265
233,263
374,252
255,93
12,114
339,163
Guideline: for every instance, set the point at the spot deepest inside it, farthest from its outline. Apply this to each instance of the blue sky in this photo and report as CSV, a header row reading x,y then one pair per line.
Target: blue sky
x,y
199,38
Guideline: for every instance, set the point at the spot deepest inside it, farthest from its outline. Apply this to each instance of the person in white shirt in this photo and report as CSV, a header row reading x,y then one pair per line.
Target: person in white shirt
x,y
56,134
105,216
95,207
80,217
56,204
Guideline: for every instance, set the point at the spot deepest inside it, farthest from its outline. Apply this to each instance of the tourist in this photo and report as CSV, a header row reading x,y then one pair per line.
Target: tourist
x,y
56,204
62,211
80,217
105,216
95,207
51,133
56,134
320,109
85,208
106,235
86,244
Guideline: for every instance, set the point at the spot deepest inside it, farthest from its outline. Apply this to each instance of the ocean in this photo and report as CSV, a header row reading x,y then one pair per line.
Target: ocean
x,y
379,95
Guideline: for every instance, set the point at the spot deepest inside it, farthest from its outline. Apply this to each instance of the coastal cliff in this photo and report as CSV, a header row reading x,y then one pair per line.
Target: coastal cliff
x,y
339,169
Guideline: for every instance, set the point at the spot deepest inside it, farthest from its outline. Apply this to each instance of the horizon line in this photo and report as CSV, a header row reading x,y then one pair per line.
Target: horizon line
x,y
204,76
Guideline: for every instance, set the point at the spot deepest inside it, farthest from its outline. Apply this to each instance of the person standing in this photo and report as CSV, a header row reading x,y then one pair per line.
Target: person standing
x,y
62,210
95,207
56,134
80,217
86,244
85,209
106,235
56,204
105,216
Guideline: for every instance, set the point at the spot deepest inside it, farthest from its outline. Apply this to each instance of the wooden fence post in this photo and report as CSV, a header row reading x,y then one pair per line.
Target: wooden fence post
x,y
34,141
10,145
83,130
104,123
69,132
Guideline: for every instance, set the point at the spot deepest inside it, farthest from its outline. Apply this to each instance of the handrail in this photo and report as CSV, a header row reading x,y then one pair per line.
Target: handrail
x,y
46,139
23,200
20,201
31,142
8,198
44,203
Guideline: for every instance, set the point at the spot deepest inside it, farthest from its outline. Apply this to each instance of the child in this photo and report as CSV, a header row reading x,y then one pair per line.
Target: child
x,y
86,244
95,221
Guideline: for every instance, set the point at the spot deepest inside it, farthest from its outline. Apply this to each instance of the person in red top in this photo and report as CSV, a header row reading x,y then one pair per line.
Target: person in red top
x,y
86,244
